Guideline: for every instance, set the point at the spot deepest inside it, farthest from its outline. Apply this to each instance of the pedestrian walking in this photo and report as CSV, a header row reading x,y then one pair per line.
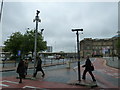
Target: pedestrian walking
x,y
88,68
26,65
39,67
21,70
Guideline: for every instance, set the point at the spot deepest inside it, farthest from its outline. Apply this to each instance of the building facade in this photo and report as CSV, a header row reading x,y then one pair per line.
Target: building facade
x,y
49,49
98,47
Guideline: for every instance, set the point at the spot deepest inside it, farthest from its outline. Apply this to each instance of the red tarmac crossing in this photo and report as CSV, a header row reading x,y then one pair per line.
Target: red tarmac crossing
x,y
12,82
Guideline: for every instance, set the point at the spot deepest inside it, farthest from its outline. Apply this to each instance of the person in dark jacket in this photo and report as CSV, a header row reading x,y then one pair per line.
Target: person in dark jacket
x,y
21,70
39,67
87,66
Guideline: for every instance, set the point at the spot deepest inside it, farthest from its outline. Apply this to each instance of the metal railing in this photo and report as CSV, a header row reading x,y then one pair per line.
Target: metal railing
x,y
45,62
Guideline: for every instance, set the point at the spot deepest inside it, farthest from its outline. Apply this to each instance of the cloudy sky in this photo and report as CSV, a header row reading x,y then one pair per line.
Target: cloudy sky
x,y
97,19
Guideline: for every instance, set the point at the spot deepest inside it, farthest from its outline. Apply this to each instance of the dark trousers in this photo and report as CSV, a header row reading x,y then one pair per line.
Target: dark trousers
x,y
21,76
37,71
90,72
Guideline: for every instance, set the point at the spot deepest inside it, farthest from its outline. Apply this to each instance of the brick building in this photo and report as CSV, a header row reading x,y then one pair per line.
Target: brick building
x,y
98,47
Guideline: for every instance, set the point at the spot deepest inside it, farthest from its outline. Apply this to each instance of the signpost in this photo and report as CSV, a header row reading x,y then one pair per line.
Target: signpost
x,y
78,51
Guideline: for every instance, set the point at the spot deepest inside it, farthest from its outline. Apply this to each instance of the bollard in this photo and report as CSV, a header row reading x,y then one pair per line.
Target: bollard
x,y
58,61
15,63
45,61
68,65
51,60
3,64
63,60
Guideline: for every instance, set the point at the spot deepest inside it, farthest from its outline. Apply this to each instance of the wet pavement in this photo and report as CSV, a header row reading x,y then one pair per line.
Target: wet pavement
x,y
113,62
60,76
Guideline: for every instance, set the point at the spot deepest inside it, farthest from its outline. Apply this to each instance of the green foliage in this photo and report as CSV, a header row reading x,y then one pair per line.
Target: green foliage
x,y
13,44
24,43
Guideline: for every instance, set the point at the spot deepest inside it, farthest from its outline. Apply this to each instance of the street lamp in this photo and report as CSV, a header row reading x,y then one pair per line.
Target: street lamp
x,y
36,32
78,51
1,10
42,31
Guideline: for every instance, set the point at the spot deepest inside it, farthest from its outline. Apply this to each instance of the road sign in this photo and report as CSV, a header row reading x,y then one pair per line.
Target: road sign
x,y
19,52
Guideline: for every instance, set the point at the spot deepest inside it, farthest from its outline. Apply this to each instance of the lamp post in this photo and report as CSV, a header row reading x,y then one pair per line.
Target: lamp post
x,y
1,10
42,31
36,32
78,52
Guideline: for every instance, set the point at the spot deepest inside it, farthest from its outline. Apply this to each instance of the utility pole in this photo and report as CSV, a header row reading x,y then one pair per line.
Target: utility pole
x,y
78,52
36,32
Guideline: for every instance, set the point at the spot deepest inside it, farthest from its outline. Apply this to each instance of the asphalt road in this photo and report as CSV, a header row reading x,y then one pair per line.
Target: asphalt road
x,y
48,69
30,71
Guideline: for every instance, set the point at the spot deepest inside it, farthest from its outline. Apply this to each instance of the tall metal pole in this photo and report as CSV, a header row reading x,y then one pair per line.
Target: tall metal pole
x,y
78,51
1,10
36,32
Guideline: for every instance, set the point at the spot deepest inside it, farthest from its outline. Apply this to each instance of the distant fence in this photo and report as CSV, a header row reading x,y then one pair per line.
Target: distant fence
x,y
45,61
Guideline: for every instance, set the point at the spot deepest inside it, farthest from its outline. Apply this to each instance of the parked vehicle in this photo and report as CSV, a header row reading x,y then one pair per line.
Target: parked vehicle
x,y
4,59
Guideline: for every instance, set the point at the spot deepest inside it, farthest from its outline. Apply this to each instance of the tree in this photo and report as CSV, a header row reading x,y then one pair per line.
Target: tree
x,y
24,43
13,44
29,41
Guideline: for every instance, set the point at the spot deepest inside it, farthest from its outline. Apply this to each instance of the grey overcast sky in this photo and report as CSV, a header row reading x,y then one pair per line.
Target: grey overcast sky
x,y
97,19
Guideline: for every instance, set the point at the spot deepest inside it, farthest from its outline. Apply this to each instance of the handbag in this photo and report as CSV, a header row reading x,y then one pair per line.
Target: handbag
x,y
92,67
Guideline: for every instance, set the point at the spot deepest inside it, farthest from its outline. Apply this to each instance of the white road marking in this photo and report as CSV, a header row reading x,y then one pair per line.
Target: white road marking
x,y
4,85
30,87
10,81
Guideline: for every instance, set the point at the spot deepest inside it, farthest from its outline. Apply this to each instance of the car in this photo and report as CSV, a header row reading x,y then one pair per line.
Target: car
x,y
2,58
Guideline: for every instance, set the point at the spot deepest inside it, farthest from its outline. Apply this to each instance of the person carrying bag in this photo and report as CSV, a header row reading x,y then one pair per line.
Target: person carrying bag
x,y
88,68
92,67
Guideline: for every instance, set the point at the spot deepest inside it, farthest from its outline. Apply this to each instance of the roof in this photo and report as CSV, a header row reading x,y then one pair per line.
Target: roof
x,y
116,36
